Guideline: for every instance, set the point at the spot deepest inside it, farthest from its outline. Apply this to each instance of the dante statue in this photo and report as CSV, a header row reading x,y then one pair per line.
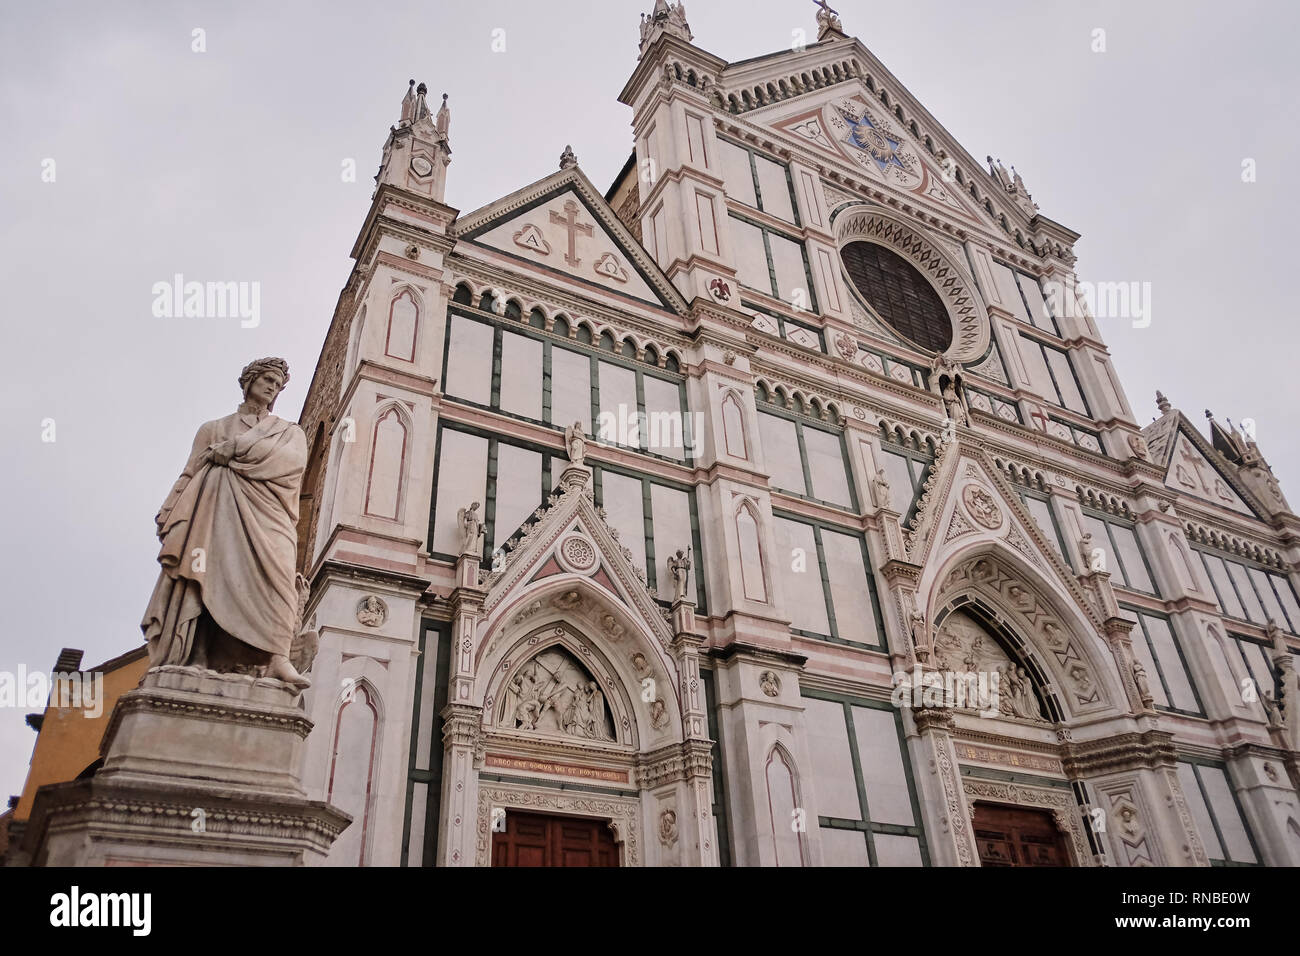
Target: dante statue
x,y
227,597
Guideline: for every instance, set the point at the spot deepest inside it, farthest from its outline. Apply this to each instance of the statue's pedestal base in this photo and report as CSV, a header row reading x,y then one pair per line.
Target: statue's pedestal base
x,y
200,769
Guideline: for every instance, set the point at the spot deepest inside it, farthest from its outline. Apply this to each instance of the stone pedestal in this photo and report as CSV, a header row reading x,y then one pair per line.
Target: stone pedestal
x,y
199,768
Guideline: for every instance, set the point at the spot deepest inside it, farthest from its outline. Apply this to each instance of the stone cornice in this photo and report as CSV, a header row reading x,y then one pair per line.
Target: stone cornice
x,y
1134,750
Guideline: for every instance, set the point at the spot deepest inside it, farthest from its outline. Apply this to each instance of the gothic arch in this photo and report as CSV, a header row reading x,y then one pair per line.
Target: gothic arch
x,y
735,440
527,647
1069,653
613,635
779,773
362,699
390,452
759,588
405,309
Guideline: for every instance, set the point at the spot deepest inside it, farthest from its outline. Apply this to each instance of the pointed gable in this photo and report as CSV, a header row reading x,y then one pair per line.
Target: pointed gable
x,y
570,536
848,125
563,225
1190,470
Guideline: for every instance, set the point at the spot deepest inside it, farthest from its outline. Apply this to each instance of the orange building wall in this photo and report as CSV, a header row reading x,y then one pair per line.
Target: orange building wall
x,y
68,741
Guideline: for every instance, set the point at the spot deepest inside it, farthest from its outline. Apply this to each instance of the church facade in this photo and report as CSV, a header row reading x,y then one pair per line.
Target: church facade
x,y
777,505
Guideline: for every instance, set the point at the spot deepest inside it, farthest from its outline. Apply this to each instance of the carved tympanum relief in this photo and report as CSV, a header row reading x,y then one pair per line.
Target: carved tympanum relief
x,y
555,694
963,646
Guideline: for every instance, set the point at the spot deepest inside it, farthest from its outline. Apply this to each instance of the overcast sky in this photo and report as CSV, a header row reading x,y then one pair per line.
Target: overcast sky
x,y
227,164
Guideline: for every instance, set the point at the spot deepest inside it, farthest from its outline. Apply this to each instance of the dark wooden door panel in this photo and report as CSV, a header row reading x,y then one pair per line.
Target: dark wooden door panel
x,y
1017,836
535,839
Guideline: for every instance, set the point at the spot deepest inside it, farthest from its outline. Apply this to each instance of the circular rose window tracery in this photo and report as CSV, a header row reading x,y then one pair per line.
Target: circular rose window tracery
x,y
916,283
899,294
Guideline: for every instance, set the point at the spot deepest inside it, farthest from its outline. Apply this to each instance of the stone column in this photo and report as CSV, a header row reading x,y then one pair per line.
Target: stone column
x,y
699,833
462,731
948,829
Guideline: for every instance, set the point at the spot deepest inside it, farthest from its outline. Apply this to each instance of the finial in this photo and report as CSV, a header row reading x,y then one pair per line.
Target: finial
x,y
1209,414
421,89
568,158
442,123
408,104
1162,403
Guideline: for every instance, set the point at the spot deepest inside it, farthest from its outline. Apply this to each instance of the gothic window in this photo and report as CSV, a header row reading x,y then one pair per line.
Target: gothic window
x,y
352,772
1217,813
751,555
783,805
867,808
733,426
899,294
1157,650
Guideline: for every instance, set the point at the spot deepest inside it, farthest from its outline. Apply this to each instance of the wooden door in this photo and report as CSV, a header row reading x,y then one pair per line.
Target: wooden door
x,y
1017,836
536,839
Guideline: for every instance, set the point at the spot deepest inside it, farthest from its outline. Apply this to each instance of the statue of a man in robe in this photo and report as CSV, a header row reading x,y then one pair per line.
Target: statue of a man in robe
x,y
226,597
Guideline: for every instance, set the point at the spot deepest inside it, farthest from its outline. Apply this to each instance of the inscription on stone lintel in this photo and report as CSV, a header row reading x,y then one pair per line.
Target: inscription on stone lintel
x,y
561,769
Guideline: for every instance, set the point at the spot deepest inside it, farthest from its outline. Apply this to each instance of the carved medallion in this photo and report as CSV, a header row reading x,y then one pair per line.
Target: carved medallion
x,y
577,554
769,683
982,507
372,611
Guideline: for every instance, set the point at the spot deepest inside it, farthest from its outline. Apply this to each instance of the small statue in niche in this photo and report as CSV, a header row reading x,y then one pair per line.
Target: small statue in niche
x,y
471,529
1143,685
575,442
920,638
880,485
679,566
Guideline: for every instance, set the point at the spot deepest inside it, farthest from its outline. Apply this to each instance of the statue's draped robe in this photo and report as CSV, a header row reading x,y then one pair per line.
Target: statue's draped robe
x,y
244,517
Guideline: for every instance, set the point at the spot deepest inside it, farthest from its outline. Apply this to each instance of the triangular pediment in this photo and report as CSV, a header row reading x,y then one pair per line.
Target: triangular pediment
x,y
1194,467
561,224
849,125
967,501
569,537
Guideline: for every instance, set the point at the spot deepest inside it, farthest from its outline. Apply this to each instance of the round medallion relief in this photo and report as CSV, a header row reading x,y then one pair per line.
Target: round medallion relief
x,y
982,507
577,554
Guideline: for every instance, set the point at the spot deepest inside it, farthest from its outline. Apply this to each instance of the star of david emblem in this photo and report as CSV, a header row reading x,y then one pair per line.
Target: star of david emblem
x,y
880,146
